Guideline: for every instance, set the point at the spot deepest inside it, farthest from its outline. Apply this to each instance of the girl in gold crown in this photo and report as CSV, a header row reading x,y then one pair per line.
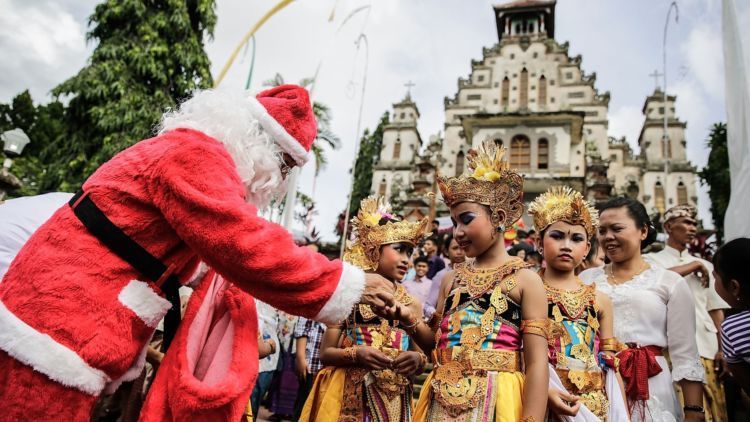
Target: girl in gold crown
x,y
370,359
581,342
489,310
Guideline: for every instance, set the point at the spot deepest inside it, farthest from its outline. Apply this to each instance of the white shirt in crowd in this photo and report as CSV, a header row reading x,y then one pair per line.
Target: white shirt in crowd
x,y
705,298
268,325
655,308
20,218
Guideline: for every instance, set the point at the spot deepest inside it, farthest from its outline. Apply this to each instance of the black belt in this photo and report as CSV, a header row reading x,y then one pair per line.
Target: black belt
x,y
134,254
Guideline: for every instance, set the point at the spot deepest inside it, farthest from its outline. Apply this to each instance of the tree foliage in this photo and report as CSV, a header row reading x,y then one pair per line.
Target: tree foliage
x,y
149,56
716,175
43,124
369,152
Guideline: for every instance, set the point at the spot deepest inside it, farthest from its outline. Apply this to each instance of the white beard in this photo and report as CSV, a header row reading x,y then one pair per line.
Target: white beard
x,y
226,117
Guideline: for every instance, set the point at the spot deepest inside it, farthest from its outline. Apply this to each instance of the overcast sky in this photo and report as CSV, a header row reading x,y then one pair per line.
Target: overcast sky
x,y
430,42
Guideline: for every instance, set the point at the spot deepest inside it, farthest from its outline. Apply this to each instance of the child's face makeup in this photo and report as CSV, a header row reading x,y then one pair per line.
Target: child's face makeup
x,y
472,228
394,260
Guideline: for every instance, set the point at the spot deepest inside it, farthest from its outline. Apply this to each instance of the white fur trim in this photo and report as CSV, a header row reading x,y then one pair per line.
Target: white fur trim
x,y
132,373
144,301
282,138
348,292
45,355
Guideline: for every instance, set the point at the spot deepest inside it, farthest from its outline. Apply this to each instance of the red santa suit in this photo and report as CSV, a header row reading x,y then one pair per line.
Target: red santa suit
x,y
75,318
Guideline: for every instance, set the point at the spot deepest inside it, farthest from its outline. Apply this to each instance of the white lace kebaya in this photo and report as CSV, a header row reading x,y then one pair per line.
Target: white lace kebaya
x,y
655,308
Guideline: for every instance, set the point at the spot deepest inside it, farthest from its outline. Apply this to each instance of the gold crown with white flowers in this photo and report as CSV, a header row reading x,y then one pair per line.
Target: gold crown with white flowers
x,y
561,203
490,182
370,235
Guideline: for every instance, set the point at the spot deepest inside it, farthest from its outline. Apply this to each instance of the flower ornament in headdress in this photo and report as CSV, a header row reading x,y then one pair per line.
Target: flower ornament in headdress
x,y
561,203
490,182
370,235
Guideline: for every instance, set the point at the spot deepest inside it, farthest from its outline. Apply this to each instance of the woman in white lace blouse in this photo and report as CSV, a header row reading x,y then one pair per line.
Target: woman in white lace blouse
x,y
653,313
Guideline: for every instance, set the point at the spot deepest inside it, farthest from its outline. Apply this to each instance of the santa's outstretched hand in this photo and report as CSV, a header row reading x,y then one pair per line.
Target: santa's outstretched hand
x,y
378,294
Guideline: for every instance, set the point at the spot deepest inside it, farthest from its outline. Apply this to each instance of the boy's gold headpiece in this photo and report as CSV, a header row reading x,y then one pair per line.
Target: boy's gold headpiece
x,y
364,252
490,181
561,203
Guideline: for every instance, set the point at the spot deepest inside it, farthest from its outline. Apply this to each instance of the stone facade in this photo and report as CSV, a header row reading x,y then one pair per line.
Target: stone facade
x,y
528,94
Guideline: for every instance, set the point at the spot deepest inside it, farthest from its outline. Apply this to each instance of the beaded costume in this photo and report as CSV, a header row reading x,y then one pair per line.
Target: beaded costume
x,y
574,345
354,393
477,357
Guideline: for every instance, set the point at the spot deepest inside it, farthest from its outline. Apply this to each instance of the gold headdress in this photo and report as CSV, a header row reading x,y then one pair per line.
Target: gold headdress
x,y
561,203
364,252
490,182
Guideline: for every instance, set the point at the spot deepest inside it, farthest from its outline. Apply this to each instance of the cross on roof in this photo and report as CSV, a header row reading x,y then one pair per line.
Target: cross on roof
x,y
408,86
656,75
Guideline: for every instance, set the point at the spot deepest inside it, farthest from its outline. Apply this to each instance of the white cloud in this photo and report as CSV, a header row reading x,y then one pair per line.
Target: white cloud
x,y
626,121
703,52
42,44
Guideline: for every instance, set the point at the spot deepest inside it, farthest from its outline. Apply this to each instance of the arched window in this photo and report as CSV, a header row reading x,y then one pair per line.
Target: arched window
x,y
682,194
381,189
659,197
543,154
397,149
520,152
459,163
505,93
524,89
542,100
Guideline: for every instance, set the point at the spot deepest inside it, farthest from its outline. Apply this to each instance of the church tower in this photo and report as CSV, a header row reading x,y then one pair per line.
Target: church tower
x,y
401,145
668,177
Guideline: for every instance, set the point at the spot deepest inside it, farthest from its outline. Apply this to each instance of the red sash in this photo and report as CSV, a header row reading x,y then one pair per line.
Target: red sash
x,y
637,365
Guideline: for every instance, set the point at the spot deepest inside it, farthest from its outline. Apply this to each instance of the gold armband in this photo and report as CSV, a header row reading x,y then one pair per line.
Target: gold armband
x,y
611,344
351,354
422,360
539,327
528,419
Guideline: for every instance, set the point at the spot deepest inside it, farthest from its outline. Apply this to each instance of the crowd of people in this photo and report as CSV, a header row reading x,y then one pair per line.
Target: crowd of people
x,y
571,321
625,335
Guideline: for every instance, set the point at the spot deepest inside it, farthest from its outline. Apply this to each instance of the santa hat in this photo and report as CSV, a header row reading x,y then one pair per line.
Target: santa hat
x,y
286,114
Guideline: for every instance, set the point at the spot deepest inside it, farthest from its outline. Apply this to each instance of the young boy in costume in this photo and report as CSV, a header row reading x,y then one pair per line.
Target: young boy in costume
x,y
370,359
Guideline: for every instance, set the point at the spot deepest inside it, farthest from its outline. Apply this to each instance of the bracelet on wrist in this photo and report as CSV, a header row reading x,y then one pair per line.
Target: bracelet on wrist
x,y
412,325
351,354
693,408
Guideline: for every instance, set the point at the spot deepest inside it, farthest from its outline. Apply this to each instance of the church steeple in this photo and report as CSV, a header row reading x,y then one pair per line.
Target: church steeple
x,y
525,18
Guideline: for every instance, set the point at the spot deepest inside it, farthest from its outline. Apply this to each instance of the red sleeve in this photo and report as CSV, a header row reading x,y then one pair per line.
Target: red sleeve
x,y
197,189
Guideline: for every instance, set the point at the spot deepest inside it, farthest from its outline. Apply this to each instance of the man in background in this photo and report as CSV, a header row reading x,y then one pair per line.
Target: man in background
x,y
435,262
420,286
681,226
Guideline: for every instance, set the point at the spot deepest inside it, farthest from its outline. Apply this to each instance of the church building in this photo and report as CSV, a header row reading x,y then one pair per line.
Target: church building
x,y
529,95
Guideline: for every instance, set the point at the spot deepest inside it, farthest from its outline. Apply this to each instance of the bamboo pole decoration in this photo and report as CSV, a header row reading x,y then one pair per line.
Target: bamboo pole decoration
x,y
280,5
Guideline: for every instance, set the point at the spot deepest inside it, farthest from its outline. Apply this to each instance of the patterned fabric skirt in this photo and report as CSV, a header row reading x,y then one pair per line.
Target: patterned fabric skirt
x,y
283,391
353,395
499,400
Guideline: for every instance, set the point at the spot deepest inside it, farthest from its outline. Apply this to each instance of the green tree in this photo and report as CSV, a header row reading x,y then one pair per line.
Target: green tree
x,y
369,152
716,175
149,56
43,124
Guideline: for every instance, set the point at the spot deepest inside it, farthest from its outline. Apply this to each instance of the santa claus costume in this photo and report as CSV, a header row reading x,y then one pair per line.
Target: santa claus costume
x,y
75,317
